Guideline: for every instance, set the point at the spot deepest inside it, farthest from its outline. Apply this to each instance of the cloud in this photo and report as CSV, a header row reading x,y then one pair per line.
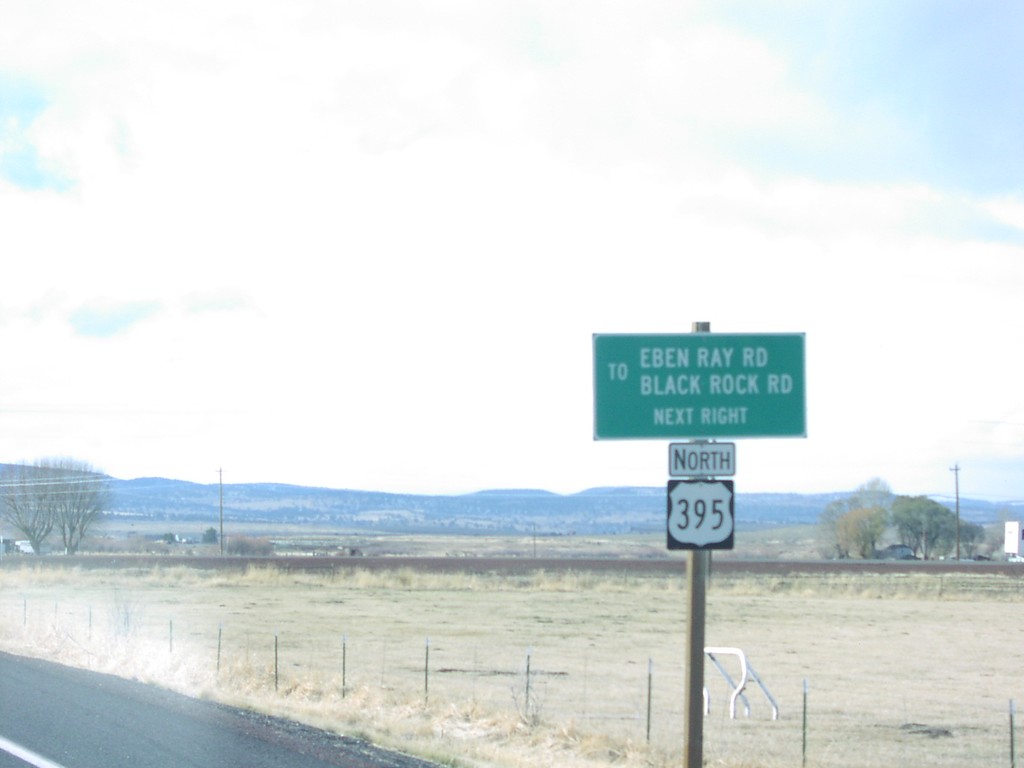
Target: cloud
x,y
387,218
217,301
103,321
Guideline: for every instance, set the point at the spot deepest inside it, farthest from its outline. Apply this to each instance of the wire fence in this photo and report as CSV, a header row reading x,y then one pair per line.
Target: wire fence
x,y
636,701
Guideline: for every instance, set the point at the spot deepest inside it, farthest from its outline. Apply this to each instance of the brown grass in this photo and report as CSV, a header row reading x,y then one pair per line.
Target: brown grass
x,y
879,653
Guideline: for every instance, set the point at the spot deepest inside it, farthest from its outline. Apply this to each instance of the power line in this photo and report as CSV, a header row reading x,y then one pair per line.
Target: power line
x,y
54,481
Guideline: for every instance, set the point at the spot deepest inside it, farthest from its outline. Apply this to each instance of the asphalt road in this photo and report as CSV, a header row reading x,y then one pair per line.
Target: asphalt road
x,y
57,717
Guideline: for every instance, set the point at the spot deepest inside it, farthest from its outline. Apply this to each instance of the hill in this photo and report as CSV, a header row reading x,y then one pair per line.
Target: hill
x,y
596,510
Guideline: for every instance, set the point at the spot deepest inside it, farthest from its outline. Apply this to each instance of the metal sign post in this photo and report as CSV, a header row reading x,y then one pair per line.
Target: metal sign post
x,y
698,563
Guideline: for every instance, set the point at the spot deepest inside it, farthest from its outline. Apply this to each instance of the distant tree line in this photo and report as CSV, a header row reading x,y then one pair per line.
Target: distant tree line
x,y
855,526
54,495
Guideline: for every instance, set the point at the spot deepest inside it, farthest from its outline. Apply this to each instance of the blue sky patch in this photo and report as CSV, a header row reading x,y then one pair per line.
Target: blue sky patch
x,y
21,103
105,321
918,91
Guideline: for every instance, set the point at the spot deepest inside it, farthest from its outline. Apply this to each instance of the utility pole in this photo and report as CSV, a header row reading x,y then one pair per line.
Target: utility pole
x,y
220,474
955,469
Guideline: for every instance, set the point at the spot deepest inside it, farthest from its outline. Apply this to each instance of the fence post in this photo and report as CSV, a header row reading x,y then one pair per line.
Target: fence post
x,y
1013,751
804,753
650,676
344,653
426,672
526,703
275,660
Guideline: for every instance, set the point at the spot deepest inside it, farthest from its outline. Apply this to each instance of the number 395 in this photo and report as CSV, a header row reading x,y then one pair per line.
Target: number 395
x,y
698,514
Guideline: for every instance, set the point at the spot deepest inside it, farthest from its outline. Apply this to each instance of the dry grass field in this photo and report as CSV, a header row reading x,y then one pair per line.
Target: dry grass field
x,y
902,669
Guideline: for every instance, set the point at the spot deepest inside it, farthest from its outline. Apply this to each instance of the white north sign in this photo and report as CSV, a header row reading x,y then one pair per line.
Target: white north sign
x,y
701,459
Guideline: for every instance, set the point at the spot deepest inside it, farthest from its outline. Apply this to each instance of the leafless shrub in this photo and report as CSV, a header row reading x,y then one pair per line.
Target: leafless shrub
x,y
527,698
249,546
125,615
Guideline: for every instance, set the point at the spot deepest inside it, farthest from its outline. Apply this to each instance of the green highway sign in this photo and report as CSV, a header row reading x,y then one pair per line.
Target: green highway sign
x,y
699,385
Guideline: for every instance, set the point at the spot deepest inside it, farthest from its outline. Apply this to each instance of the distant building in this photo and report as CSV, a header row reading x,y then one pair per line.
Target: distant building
x,y
25,547
1013,540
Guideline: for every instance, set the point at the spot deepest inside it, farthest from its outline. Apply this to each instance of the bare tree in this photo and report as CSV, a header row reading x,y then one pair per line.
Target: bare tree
x,y
831,543
26,504
84,494
63,494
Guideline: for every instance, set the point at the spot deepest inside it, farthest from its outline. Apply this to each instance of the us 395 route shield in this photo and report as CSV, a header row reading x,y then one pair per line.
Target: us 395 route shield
x,y
701,514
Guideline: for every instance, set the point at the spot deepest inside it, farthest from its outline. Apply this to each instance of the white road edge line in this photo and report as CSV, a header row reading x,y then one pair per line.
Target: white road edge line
x,y
27,755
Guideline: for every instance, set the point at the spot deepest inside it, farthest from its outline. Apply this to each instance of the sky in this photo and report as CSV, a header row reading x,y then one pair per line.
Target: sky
x,y
367,244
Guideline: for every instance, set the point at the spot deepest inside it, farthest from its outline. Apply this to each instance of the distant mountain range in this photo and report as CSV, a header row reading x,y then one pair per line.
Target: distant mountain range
x,y
598,510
